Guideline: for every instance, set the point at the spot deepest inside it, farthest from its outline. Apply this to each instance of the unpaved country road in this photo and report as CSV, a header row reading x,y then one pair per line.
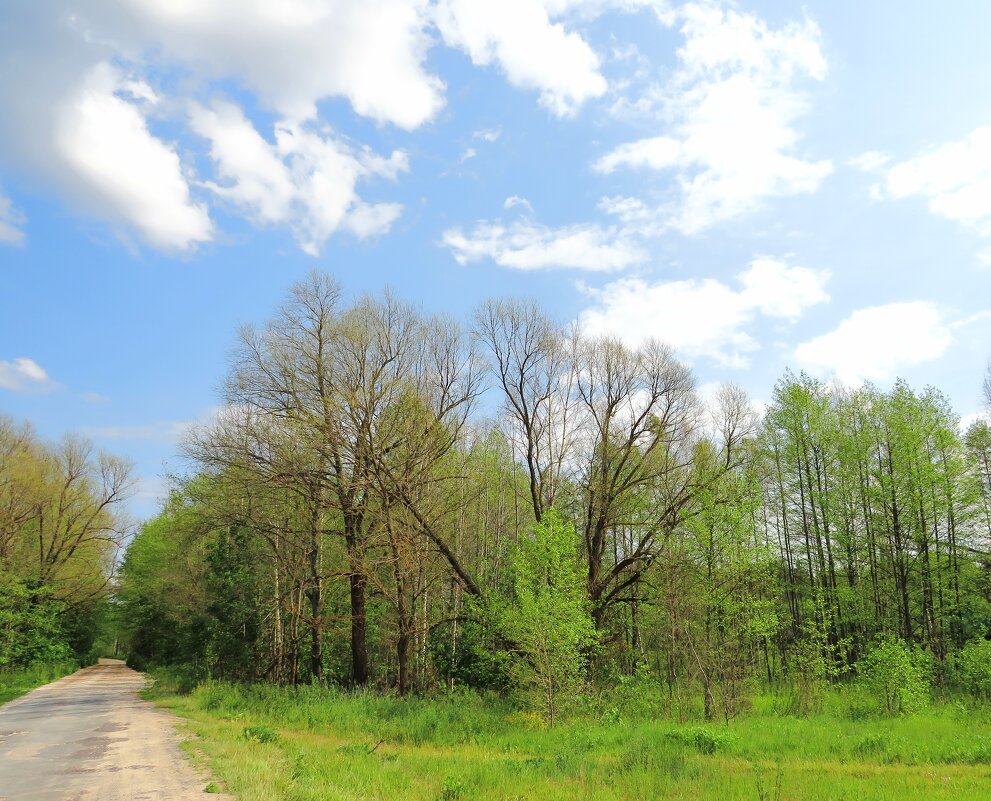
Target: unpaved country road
x,y
89,737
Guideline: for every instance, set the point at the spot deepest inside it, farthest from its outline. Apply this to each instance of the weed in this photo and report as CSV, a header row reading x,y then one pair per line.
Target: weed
x,y
705,741
260,734
454,789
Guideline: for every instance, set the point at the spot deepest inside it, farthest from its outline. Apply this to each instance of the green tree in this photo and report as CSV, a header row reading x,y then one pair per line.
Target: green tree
x,y
548,618
899,675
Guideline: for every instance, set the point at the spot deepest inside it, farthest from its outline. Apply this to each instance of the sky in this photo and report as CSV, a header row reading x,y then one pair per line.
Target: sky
x,y
763,185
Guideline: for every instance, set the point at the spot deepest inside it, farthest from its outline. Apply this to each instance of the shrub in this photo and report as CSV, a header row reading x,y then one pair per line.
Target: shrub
x,y
705,741
972,668
898,675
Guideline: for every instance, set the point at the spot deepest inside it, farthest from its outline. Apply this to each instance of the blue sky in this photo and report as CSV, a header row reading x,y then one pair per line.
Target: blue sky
x,y
764,185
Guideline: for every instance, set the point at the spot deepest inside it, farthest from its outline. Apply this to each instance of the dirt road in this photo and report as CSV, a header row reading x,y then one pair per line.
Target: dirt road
x,y
89,737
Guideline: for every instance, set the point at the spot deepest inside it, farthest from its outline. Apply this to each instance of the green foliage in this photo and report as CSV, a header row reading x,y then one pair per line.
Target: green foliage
x,y
16,682
705,741
816,659
232,613
189,591
548,618
469,655
180,679
899,676
30,630
260,734
972,668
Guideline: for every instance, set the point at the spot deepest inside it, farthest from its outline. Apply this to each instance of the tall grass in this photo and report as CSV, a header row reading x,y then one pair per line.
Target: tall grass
x,y
14,683
309,743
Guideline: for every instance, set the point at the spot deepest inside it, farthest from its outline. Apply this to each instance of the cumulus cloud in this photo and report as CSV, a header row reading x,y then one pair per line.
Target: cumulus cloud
x,y
873,343
527,245
294,53
706,318
25,375
954,179
534,51
305,179
729,115
104,143
11,220
109,76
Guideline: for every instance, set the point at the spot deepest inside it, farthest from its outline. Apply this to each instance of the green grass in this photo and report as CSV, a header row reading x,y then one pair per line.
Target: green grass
x,y
14,683
306,744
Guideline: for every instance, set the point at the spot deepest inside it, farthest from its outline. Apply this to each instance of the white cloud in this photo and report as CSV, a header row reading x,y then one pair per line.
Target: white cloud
x,y
125,172
488,134
294,53
11,221
306,179
527,245
873,343
869,161
166,431
515,200
729,111
967,420
533,51
25,375
706,318
467,153
954,179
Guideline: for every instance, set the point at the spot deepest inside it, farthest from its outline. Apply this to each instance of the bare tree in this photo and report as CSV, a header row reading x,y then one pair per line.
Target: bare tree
x,y
532,362
636,472
79,529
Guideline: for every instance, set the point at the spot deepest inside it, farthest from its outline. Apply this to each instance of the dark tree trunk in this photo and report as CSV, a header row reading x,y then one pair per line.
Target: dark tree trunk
x,y
359,635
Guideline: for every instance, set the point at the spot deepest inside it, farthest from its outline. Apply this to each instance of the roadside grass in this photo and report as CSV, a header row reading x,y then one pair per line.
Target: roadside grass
x,y
15,683
305,744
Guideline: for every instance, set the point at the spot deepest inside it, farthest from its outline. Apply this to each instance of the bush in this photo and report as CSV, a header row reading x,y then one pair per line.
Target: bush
x,y
705,741
899,676
174,679
972,668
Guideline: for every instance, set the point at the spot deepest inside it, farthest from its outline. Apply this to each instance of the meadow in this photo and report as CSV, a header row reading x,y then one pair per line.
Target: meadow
x,y
304,744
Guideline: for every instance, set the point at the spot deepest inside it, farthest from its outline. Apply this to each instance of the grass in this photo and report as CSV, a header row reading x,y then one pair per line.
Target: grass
x,y
306,744
15,683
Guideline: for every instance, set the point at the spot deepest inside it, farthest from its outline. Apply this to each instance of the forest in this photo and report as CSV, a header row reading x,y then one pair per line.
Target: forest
x,y
398,504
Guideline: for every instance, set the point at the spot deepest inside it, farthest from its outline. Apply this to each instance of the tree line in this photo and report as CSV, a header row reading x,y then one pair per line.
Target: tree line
x,y
402,500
